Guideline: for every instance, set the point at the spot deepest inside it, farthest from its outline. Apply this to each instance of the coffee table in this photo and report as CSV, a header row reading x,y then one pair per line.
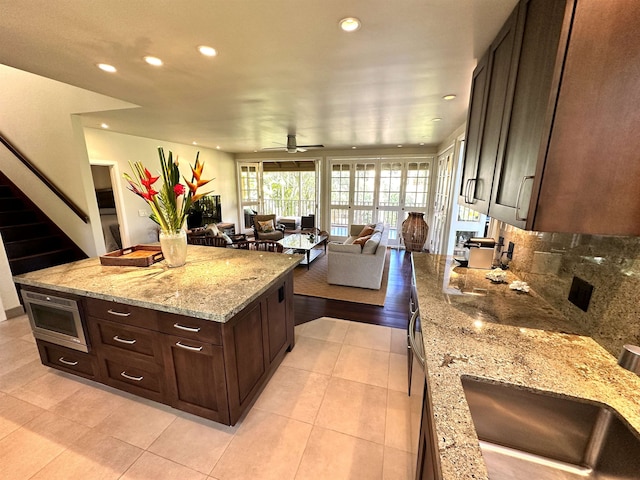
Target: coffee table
x,y
305,243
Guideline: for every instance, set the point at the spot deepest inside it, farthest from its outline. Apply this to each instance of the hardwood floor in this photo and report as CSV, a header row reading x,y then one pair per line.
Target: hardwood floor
x,y
395,312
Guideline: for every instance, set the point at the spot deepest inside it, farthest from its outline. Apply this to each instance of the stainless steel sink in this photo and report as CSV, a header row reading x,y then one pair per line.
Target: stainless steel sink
x,y
535,435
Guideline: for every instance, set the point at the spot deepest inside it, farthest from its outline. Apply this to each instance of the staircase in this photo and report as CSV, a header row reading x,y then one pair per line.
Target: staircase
x,y
32,241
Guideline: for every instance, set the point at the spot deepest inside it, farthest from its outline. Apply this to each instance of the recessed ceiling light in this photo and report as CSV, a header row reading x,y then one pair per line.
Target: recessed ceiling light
x,y
218,147
354,148
104,125
194,143
399,146
350,24
449,97
107,68
207,51
421,144
155,61
437,119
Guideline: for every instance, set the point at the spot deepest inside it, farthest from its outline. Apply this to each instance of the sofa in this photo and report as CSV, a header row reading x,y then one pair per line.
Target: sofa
x,y
359,260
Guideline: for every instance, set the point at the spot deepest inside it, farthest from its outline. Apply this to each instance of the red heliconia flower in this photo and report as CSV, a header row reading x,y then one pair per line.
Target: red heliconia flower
x,y
149,194
149,180
178,189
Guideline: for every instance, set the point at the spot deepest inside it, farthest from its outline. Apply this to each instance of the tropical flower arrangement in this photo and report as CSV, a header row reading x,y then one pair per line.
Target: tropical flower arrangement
x,y
171,203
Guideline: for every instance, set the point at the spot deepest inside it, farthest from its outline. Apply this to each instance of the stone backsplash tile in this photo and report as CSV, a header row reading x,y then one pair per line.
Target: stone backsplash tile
x,y
549,261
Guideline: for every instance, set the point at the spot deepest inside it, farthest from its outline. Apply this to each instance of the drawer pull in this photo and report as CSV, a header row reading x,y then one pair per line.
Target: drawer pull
x,y
124,340
189,347
188,329
130,377
67,362
118,314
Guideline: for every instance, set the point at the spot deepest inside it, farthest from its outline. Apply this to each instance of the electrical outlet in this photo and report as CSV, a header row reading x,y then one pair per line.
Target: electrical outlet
x,y
510,250
580,293
142,213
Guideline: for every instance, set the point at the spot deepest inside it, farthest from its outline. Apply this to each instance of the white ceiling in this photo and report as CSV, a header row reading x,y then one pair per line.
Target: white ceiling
x,y
283,66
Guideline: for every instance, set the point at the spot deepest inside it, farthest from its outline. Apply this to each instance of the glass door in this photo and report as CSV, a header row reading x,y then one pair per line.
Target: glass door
x,y
249,192
441,204
391,197
378,189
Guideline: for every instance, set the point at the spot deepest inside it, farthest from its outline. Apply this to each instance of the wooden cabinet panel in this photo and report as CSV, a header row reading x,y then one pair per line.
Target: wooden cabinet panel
x,y
499,85
66,359
132,375
475,122
533,99
128,338
249,335
428,467
196,378
276,322
190,327
119,312
592,172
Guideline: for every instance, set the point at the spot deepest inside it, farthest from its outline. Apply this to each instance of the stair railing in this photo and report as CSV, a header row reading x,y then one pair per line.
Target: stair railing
x,y
50,185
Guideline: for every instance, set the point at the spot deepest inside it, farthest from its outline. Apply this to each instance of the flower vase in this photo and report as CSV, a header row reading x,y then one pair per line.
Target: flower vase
x,y
174,247
414,232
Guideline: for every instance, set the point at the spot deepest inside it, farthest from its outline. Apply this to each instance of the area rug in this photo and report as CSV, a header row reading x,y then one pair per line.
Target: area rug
x,y
313,283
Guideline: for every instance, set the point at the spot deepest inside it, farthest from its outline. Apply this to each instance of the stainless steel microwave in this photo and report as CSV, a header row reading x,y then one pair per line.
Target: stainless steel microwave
x,y
55,319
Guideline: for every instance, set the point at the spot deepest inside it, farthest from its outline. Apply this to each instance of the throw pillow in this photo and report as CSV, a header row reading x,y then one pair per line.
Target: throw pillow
x,y
367,230
266,226
226,238
213,230
361,240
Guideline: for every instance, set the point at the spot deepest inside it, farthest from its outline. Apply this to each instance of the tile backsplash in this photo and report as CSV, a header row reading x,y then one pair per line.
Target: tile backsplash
x,y
549,261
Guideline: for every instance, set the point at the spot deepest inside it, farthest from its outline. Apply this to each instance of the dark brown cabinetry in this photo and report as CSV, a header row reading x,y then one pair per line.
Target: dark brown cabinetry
x,y
567,158
428,467
67,359
207,368
493,80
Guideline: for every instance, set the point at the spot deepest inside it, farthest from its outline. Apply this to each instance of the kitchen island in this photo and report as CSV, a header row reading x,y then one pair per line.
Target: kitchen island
x,y
203,337
472,327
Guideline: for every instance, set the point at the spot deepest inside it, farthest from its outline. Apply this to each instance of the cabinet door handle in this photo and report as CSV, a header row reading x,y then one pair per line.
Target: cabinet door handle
x,y
189,347
124,340
118,314
67,362
188,329
468,198
520,187
412,340
130,377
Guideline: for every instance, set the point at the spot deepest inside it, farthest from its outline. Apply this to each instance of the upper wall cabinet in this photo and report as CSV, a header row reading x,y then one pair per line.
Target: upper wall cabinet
x,y
492,83
568,152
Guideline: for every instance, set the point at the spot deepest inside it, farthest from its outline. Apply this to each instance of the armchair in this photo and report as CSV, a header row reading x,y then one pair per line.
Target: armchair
x,y
265,232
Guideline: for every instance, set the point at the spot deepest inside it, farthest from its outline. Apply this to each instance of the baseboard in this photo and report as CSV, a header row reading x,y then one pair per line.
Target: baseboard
x,y
14,312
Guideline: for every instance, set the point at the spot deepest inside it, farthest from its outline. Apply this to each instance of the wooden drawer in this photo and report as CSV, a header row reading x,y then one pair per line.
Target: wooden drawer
x,y
205,331
67,359
135,377
125,337
121,313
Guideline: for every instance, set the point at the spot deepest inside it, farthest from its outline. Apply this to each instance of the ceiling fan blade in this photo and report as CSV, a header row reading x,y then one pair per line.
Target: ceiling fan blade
x,y
310,146
280,149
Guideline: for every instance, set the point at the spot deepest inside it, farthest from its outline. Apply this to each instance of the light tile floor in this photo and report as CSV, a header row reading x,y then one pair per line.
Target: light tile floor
x,y
336,408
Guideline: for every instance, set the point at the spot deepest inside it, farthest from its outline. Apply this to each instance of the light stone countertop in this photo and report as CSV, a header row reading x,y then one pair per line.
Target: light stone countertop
x,y
473,327
214,284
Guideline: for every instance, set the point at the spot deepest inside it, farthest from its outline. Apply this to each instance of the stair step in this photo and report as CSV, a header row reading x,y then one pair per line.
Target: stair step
x,y
17,217
15,233
33,246
10,204
42,260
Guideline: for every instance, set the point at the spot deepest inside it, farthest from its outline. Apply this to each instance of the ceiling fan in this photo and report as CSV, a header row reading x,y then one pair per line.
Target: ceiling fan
x,y
293,147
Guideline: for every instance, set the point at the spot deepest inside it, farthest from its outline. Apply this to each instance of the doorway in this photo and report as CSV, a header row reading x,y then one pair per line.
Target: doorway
x,y
107,195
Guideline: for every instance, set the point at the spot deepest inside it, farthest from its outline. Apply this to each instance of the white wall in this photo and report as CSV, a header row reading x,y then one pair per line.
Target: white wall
x,y
39,119
106,146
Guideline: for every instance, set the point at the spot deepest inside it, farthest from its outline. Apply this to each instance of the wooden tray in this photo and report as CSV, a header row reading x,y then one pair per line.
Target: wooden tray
x,y
136,256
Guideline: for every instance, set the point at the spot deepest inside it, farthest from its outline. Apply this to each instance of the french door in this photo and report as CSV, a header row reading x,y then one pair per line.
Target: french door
x,y
367,190
249,177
